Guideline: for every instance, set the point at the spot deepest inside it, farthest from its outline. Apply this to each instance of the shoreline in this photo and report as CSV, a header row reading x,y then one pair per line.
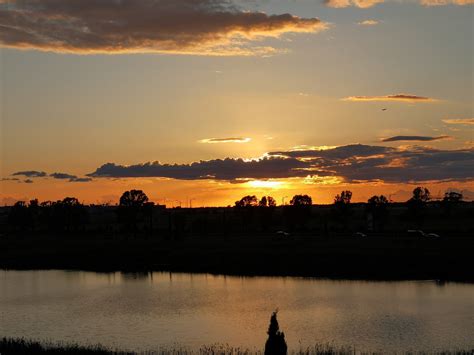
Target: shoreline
x,y
337,258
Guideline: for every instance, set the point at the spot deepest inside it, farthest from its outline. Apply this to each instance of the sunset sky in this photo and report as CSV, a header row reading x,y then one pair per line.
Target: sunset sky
x,y
209,100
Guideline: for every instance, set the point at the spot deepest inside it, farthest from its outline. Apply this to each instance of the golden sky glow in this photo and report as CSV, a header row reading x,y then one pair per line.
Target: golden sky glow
x,y
212,100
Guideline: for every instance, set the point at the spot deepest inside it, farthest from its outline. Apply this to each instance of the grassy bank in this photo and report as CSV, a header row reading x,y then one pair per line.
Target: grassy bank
x,y
21,346
388,257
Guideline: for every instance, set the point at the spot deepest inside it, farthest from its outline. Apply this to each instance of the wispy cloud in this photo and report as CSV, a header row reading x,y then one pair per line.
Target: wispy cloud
x,y
446,2
368,23
394,97
9,179
225,140
363,4
69,177
30,173
202,27
62,176
81,179
415,138
459,121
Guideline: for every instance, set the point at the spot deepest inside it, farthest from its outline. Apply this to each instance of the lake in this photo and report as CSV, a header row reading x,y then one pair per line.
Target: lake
x,y
146,311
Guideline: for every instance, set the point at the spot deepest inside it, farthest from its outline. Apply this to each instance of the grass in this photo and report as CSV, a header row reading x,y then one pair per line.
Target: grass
x,y
22,346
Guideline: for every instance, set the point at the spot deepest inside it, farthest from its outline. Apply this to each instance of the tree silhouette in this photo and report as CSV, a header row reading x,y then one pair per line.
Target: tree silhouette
x,y
68,214
131,207
377,202
34,213
247,201
276,344
267,201
421,195
451,199
342,207
299,211
451,196
377,206
246,212
301,200
266,210
344,198
133,198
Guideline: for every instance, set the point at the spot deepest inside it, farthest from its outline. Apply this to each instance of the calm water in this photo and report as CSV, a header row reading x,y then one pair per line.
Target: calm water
x,y
148,311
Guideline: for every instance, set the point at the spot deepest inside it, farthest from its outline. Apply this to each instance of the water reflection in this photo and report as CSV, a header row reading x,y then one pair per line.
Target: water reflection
x,y
146,310
143,276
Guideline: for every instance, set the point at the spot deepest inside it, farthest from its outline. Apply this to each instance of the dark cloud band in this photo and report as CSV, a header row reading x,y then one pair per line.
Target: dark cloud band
x,y
39,174
415,138
218,169
209,27
352,163
30,173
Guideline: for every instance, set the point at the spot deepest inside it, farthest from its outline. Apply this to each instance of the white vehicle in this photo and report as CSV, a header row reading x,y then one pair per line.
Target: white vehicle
x,y
283,234
360,235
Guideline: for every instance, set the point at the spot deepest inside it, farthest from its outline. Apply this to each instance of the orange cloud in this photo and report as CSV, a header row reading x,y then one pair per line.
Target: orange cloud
x,y
446,2
460,121
368,23
225,140
199,27
363,4
395,97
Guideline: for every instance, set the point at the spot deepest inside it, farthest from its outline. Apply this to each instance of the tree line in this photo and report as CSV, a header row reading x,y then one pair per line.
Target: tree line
x,y
135,208
420,195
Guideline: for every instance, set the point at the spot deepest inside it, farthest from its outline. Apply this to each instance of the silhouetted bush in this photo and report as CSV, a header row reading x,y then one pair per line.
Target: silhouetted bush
x,y
276,344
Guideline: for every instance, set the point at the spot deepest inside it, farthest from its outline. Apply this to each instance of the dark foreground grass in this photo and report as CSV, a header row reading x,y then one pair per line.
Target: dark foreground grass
x,y
22,346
